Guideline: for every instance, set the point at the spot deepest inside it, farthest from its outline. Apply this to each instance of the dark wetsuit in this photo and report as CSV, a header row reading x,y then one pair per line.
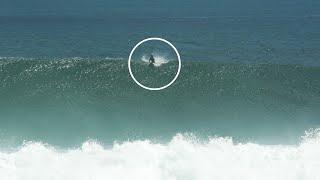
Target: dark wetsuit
x,y
151,61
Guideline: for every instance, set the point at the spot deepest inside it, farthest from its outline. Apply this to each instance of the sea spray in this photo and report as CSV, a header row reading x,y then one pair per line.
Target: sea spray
x,y
159,59
184,157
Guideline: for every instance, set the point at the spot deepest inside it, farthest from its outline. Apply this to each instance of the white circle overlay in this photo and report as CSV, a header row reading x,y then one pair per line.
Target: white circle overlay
x,y
154,39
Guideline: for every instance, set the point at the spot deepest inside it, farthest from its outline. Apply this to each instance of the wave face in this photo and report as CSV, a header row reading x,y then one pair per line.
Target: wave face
x,y
66,101
184,157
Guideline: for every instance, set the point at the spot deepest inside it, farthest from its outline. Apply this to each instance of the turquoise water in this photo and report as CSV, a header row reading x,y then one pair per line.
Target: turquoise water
x,y
77,118
67,101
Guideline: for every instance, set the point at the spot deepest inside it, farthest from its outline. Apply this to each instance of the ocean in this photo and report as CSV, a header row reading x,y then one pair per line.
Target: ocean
x,y
88,114
246,104
244,39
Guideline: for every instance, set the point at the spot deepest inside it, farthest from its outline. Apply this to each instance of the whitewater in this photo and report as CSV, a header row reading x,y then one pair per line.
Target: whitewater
x,y
184,157
159,59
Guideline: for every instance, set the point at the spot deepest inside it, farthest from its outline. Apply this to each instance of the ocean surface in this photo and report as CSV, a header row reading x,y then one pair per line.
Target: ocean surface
x,y
241,39
217,120
245,105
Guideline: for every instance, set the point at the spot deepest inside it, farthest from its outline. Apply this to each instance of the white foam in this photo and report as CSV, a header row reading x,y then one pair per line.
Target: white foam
x,y
183,158
158,59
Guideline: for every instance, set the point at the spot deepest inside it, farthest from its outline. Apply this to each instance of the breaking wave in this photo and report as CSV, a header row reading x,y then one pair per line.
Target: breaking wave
x,y
184,157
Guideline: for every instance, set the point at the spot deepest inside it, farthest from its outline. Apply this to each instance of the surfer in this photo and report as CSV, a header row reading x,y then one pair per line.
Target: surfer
x,y
151,61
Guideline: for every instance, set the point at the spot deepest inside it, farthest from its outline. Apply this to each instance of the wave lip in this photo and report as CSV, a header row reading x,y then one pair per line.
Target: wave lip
x,y
184,157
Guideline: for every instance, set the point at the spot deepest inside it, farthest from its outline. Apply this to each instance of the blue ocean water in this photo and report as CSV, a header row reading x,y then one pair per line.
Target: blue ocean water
x,y
244,39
